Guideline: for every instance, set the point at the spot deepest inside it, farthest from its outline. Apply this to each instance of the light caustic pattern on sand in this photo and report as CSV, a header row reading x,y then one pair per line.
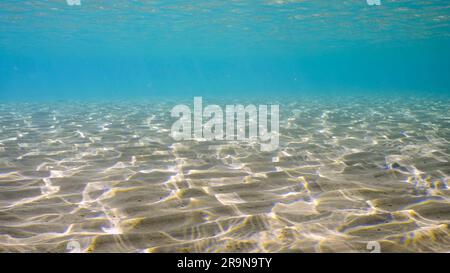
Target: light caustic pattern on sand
x,y
108,177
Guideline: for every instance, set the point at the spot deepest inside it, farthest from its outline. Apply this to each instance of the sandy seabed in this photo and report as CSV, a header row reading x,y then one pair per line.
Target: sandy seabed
x,y
109,177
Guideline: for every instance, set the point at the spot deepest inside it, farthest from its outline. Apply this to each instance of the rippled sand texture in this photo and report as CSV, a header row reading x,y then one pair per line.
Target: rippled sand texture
x,y
110,177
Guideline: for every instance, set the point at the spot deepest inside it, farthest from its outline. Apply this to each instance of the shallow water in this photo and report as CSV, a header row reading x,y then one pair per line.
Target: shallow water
x,y
109,177
87,162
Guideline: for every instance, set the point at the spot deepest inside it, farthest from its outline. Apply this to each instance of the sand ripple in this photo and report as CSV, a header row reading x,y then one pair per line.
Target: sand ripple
x,y
109,177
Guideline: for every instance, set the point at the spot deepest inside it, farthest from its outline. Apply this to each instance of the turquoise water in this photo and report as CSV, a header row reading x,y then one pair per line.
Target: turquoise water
x,y
137,49
362,154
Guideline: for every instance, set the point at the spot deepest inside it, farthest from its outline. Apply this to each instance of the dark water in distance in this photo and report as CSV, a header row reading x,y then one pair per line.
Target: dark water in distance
x,y
135,49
